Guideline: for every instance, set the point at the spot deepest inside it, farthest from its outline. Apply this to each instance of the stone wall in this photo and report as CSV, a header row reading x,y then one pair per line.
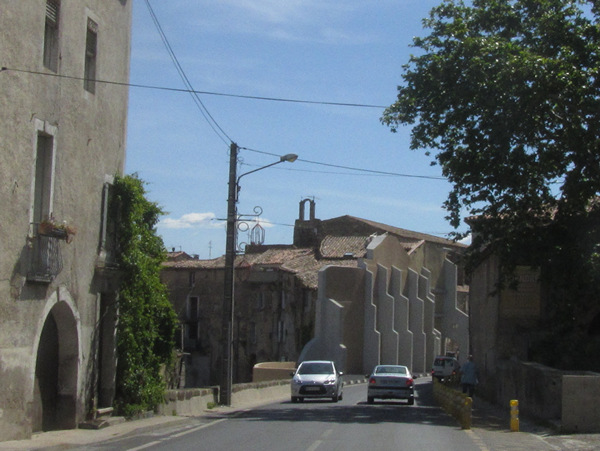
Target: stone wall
x,y
549,394
195,401
268,371
580,404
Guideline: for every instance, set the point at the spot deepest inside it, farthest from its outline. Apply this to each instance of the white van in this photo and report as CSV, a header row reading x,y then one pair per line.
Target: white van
x,y
444,367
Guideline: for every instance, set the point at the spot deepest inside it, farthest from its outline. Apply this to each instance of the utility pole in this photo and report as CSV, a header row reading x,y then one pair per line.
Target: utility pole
x,y
228,313
226,380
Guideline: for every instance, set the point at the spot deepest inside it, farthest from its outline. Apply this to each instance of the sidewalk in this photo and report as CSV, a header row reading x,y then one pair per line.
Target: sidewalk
x,y
490,429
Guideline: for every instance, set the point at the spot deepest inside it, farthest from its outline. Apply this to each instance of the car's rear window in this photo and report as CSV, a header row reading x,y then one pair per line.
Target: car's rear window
x,y
316,368
391,370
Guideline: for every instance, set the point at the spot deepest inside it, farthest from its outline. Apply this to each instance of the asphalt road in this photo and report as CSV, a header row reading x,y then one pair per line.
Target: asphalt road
x,y
319,425
350,424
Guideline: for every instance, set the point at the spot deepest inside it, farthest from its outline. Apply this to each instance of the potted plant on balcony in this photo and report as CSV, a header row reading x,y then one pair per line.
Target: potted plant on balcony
x,y
49,227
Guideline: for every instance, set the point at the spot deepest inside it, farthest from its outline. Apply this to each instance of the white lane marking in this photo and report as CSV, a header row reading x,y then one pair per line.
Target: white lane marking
x,y
476,440
317,443
197,428
147,445
179,434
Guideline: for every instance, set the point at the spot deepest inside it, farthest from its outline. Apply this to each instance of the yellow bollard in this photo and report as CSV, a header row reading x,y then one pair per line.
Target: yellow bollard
x,y
467,413
514,415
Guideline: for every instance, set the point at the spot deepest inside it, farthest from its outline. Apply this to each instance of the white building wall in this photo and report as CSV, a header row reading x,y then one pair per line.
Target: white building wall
x,y
433,344
398,311
416,323
401,320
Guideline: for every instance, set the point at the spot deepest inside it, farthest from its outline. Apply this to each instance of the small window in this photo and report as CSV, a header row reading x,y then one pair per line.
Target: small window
x,y
192,278
192,330
260,300
192,309
51,35
91,49
280,332
42,198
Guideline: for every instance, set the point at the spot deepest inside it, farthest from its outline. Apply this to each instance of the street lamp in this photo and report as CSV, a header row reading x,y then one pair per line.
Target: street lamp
x,y
228,295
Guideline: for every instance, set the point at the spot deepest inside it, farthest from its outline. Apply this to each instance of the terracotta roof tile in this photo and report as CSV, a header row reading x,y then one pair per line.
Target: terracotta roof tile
x,y
344,246
351,225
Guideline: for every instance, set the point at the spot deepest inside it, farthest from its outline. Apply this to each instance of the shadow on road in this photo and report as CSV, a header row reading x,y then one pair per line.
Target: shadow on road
x,y
424,411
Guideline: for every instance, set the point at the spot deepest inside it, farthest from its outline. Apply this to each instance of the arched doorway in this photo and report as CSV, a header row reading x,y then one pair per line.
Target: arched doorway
x,y
56,371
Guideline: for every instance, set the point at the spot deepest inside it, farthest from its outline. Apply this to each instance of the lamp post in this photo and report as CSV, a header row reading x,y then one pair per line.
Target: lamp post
x,y
228,294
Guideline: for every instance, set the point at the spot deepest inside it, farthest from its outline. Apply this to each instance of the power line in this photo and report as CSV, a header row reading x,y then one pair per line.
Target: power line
x,y
207,116
362,170
368,171
195,91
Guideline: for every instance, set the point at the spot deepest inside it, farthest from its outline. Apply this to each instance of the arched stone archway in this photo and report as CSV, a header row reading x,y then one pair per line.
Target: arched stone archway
x,y
56,371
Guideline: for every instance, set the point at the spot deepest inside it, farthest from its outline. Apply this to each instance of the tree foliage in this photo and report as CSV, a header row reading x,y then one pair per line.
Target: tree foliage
x,y
506,94
147,321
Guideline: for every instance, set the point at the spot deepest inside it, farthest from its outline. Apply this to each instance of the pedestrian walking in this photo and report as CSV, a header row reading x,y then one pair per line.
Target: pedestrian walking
x,y
468,378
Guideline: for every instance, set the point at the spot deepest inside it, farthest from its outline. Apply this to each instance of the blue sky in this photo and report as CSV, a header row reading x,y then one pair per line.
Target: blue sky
x,y
339,51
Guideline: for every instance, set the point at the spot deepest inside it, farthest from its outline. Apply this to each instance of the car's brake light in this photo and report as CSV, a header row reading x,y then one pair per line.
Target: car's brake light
x,y
372,380
409,382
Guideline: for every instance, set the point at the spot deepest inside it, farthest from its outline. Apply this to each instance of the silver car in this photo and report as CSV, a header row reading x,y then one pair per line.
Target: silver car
x,y
317,379
391,382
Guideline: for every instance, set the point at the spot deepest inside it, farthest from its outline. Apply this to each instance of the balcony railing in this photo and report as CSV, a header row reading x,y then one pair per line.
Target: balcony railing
x,y
45,261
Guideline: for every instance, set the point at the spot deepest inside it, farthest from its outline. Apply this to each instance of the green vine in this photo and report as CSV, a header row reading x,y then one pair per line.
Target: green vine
x,y
147,321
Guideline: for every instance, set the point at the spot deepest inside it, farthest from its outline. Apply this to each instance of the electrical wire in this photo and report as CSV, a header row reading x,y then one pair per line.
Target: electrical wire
x,y
207,116
367,171
360,170
195,91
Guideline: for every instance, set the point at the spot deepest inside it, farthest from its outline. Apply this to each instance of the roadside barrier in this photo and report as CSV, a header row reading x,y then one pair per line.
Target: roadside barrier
x,y
514,415
455,403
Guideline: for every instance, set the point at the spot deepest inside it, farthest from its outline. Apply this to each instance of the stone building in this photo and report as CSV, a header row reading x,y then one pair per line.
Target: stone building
x,y
275,293
62,139
281,311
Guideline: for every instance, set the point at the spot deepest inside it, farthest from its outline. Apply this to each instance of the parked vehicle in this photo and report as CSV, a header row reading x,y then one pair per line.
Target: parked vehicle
x,y
444,367
391,382
317,379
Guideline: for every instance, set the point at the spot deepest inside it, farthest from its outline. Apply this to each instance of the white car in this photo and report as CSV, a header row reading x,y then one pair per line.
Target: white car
x,y
391,382
317,379
444,367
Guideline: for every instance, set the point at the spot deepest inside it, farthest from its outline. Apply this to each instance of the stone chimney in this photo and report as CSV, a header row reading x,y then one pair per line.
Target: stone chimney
x,y
306,231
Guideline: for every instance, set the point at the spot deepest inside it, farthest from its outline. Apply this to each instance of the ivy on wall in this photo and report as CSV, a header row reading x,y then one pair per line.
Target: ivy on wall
x,y
147,321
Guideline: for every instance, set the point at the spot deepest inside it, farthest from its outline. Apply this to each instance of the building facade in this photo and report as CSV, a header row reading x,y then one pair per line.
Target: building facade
x,y
404,301
62,140
275,292
326,296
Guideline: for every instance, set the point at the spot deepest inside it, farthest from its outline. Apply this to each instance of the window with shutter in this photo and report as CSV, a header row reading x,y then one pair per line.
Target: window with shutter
x,y
91,49
51,35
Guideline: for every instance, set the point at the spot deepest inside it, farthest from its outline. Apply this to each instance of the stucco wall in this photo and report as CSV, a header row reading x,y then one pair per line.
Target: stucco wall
x,y
397,306
88,132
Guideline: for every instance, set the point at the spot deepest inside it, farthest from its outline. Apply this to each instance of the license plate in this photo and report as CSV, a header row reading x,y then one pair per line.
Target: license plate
x,y
312,389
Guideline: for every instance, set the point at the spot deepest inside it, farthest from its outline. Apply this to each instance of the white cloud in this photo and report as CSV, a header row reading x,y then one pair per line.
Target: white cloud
x,y
210,221
467,240
192,220
288,20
